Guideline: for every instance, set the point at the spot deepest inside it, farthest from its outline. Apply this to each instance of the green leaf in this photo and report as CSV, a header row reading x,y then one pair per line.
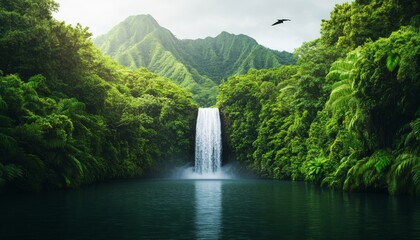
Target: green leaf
x,y
3,104
12,171
67,180
392,61
382,163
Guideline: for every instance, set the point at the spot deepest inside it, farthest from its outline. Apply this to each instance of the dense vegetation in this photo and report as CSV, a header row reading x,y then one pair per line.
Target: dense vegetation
x,y
199,65
348,115
70,116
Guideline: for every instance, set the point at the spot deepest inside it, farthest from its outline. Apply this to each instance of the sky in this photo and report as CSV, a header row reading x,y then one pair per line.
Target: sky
x,y
193,19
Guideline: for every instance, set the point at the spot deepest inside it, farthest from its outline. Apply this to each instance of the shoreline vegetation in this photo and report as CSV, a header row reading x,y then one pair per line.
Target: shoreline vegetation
x,y
346,115
70,116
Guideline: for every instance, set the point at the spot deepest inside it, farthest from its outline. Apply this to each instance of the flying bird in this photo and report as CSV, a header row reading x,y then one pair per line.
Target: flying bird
x,y
280,21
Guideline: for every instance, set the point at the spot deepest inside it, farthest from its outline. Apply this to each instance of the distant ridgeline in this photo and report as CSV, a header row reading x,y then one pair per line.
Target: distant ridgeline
x,y
199,65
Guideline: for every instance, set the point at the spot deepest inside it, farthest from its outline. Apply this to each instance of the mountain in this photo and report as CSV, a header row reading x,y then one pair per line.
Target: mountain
x,y
199,65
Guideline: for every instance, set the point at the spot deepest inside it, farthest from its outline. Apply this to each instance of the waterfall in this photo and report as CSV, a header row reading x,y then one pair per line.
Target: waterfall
x,y
208,149
208,142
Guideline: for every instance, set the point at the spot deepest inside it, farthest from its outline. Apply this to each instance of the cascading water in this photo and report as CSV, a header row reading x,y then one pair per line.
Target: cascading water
x,y
208,149
208,143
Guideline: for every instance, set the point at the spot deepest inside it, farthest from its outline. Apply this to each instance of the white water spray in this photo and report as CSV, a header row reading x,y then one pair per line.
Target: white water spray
x,y
208,149
208,142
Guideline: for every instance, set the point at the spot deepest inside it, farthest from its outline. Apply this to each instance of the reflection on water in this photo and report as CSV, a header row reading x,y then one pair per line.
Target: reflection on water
x,y
208,209
225,172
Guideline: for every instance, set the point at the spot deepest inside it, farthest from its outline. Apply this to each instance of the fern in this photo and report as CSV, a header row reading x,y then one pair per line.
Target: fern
x,y
67,181
415,125
344,72
3,104
315,167
382,162
369,172
7,143
78,166
416,175
357,118
352,181
405,174
336,179
407,162
333,74
10,172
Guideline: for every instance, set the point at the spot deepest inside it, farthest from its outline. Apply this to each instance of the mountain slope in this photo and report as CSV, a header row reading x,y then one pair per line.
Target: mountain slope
x,y
199,65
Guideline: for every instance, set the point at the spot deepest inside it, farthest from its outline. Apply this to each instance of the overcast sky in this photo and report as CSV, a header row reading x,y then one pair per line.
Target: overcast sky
x,y
192,19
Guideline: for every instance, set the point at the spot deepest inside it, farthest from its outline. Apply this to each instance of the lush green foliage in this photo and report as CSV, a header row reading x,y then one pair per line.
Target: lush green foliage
x,y
199,65
70,116
347,115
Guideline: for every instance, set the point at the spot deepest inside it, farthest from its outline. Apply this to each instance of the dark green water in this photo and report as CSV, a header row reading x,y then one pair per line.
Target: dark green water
x,y
208,209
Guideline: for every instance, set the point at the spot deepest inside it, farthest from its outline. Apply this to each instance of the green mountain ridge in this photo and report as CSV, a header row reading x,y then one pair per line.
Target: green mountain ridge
x,y
199,65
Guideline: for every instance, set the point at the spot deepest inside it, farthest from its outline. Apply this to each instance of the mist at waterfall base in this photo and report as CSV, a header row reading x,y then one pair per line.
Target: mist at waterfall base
x,y
187,172
208,149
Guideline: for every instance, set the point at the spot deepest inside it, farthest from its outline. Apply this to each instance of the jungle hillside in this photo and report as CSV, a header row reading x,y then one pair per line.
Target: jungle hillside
x,y
347,115
343,111
198,65
70,116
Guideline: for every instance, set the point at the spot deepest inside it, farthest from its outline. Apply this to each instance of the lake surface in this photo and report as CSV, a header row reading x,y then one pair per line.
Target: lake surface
x,y
208,209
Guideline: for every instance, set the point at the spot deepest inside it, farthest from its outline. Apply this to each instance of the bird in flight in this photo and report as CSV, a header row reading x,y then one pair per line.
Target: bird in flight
x,y
280,21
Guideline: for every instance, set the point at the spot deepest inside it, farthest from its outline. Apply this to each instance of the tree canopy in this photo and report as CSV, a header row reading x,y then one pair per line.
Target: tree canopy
x,y
347,115
69,115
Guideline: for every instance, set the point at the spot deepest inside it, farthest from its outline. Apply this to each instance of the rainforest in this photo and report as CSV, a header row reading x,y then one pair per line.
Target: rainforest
x,y
347,114
342,112
70,116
